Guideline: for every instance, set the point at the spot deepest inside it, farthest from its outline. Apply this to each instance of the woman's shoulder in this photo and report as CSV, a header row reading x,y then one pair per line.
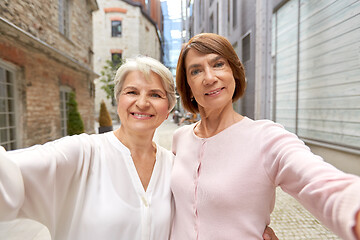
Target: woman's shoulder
x,y
164,154
262,124
186,129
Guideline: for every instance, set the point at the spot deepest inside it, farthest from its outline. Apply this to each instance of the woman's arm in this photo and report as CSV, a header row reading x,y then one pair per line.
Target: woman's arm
x,y
50,175
12,192
331,195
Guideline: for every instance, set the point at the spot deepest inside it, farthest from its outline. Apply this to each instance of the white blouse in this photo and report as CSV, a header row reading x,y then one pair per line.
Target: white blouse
x,y
86,187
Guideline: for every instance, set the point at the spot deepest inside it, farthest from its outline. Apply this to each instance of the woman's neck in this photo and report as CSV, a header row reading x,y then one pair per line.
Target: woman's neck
x,y
137,143
216,120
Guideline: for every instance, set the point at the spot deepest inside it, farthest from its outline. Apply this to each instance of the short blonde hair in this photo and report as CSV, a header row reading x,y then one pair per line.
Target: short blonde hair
x,y
146,65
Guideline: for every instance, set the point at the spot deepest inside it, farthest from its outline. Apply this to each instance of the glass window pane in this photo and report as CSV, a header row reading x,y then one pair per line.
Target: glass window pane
x,y
2,90
2,105
10,90
12,134
10,105
3,135
115,28
9,78
11,120
2,75
3,120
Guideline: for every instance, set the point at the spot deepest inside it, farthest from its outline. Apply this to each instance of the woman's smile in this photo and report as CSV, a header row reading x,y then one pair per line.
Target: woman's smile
x,y
215,92
142,116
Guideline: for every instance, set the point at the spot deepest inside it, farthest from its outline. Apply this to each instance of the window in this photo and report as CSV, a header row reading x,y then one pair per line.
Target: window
x,y
7,110
246,51
229,17
211,23
234,7
316,71
64,98
116,28
116,58
64,17
148,5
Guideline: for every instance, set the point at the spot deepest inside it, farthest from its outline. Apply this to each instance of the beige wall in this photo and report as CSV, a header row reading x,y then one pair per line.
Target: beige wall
x,y
346,161
139,36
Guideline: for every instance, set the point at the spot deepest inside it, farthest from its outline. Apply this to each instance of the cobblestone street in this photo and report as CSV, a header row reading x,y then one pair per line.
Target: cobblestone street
x,y
289,220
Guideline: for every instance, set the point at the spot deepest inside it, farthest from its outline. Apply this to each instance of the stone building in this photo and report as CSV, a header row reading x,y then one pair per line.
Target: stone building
x,y
301,67
124,28
45,53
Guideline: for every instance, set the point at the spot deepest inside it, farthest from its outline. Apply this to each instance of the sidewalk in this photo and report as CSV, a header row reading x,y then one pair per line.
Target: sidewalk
x,y
289,220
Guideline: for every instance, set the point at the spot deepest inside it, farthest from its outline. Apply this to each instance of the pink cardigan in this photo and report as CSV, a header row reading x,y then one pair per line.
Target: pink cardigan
x,y
224,186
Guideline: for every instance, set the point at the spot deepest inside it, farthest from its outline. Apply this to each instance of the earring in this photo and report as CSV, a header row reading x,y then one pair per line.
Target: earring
x,y
192,99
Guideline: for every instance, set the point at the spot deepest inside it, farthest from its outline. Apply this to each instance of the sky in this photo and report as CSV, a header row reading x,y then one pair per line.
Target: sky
x,y
174,8
172,31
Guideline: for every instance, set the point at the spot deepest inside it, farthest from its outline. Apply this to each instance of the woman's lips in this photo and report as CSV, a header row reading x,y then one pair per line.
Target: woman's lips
x,y
214,92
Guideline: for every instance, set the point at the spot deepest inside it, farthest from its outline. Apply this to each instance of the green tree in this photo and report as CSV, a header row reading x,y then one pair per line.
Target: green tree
x,y
107,76
75,124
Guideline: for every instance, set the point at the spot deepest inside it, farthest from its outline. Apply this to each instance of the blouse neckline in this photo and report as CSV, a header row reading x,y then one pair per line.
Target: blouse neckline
x,y
219,133
131,166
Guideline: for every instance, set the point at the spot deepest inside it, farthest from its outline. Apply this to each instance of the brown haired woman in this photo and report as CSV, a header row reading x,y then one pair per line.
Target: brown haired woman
x,y
228,166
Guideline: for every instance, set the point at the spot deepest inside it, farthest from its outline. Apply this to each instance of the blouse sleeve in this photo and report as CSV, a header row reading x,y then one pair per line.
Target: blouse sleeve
x,y
46,179
329,194
11,187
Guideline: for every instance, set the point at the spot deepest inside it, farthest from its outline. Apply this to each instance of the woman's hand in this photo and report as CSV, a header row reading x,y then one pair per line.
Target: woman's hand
x,y
357,226
269,234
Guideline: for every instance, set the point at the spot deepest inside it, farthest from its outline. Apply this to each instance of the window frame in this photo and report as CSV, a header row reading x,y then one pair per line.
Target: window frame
x,y
12,134
115,32
64,109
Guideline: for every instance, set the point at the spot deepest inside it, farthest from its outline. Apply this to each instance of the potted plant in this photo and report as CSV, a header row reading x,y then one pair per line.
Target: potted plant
x,y
75,124
105,122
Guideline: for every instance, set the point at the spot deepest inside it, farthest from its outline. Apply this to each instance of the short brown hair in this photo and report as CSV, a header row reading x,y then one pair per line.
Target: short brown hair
x,y
208,43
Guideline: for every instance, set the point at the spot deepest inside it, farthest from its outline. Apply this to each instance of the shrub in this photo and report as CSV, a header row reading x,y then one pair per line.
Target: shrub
x,y
104,116
75,124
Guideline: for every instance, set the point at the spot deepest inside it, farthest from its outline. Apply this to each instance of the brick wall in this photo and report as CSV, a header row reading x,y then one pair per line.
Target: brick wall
x,y
40,18
44,60
39,80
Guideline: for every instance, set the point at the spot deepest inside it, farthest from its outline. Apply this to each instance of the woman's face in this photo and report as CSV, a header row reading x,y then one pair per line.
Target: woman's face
x,y
210,78
143,104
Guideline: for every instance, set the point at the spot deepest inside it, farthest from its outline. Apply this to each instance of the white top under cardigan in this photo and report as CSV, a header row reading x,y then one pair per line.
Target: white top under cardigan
x,y
86,187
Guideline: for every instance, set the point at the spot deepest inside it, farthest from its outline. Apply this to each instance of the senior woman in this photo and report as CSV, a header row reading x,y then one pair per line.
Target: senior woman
x,y
103,186
227,166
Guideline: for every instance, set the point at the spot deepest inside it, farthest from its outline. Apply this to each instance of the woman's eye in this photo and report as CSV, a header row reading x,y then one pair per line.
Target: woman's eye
x,y
131,92
194,72
155,95
219,64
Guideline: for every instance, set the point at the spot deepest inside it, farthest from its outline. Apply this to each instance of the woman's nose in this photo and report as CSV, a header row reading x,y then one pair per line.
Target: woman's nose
x,y
142,101
209,77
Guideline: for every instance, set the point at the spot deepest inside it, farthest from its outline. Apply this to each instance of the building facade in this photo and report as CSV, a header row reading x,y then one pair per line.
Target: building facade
x,y
124,29
301,66
45,53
